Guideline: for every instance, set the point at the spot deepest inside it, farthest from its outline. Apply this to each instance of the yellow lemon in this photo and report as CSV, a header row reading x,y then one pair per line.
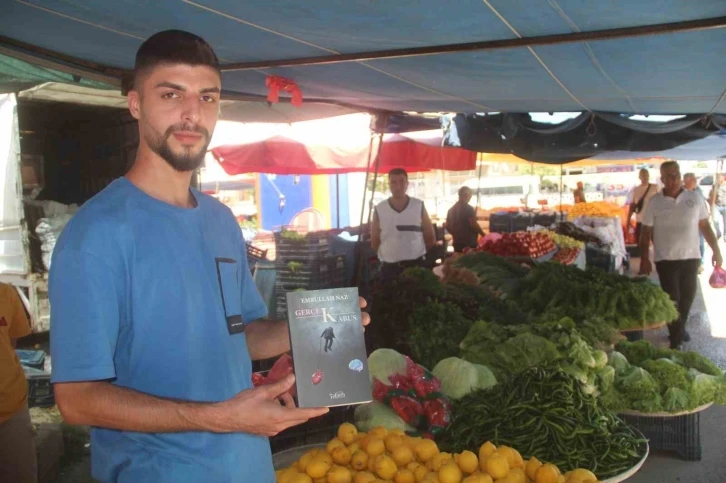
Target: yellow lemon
x,y
338,474
439,460
385,467
468,462
413,465
517,475
497,466
398,432
450,473
317,468
393,441
379,431
478,478
530,469
301,478
547,473
373,445
583,474
425,450
404,476
341,455
413,442
347,433
359,460
403,455
302,463
354,447
431,477
518,460
420,473
364,477
320,480
332,444
286,475
508,453
486,450
323,456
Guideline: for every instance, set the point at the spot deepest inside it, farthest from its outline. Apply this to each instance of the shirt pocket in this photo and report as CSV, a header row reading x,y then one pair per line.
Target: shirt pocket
x,y
231,293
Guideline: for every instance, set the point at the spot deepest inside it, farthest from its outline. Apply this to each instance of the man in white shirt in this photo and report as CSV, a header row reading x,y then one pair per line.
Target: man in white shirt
x,y
639,198
674,218
401,231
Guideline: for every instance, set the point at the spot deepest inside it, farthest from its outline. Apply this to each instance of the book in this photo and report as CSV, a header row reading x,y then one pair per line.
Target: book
x,y
328,348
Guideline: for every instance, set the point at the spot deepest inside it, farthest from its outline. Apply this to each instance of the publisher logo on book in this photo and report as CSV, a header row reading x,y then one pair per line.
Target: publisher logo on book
x,y
337,395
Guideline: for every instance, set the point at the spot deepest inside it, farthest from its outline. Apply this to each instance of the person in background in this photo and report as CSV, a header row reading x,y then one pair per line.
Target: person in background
x,y
673,219
717,199
461,222
401,230
639,198
691,184
579,193
17,438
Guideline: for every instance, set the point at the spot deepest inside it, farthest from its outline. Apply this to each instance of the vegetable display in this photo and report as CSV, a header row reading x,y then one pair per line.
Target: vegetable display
x,y
546,415
649,380
459,377
563,241
566,256
520,244
572,231
382,454
567,291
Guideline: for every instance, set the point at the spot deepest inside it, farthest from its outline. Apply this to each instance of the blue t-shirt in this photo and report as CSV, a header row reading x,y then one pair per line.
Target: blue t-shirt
x,y
141,293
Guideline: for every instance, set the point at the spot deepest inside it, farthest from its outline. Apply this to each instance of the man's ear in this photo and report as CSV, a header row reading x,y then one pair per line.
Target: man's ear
x,y
134,101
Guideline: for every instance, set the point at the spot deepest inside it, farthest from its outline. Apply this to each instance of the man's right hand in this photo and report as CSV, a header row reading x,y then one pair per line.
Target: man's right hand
x,y
645,267
259,410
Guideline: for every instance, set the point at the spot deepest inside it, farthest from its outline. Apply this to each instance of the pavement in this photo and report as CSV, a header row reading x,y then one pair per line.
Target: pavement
x,y
707,327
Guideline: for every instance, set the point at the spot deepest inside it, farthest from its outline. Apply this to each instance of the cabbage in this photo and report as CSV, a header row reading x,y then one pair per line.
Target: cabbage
x,y
459,377
606,378
581,354
370,415
704,388
601,359
383,363
676,400
618,362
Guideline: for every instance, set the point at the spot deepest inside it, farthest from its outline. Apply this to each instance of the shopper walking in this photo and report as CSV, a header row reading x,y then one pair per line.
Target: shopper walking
x,y
674,218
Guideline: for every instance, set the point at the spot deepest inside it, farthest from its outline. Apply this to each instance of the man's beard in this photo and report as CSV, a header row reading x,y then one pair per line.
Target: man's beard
x,y
188,160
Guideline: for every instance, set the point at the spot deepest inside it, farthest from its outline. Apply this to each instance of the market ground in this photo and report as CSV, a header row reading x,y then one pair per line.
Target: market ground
x,y
707,327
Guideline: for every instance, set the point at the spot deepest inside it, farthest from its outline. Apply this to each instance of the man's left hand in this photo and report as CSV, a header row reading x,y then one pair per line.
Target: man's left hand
x,y
365,317
717,260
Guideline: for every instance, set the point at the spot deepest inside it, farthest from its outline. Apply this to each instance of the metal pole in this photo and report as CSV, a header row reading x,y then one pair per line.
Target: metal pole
x,y
337,200
375,173
562,170
478,182
358,246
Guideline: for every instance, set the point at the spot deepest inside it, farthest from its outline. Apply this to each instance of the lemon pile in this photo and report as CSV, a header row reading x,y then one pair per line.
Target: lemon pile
x,y
563,241
601,209
383,455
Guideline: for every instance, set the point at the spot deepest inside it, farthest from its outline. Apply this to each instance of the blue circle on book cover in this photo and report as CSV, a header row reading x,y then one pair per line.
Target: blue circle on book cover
x,y
355,365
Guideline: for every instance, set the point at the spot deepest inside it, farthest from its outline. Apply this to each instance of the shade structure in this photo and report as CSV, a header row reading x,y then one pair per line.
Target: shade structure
x,y
414,152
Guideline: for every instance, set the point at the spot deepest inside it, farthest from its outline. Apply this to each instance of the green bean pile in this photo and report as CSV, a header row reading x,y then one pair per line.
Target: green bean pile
x,y
543,413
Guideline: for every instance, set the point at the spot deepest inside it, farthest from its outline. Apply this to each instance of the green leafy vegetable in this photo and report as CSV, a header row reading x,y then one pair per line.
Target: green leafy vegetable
x,y
694,360
606,378
618,362
601,359
384,363
704,387
436,330
459,377
676,400
371,415
636,352
668,374
641,390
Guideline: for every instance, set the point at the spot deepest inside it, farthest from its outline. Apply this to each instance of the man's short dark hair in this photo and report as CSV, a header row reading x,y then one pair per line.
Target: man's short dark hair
x,y
464,191
398,171
174,47
668,165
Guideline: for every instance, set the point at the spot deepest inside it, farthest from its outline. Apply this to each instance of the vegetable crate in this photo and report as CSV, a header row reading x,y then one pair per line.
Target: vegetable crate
x,y
599,258
500,222
326,273
40,391
680,434
318,430
311,246
254,255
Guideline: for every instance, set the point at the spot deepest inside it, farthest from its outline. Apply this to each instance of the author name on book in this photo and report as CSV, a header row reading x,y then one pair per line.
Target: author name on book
x,y
329,298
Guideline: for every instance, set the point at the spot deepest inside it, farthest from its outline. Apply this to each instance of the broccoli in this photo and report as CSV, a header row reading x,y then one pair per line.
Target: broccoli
x,y
668,374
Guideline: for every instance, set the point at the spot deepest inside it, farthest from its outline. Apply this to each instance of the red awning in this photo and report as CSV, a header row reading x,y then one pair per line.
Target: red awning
x,y
415,152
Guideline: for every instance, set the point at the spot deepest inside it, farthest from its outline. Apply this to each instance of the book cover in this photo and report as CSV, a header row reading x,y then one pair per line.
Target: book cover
x,y
328,348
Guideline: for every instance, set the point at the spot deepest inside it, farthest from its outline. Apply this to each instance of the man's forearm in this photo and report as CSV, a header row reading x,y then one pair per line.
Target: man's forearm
x,y
105,405
267,338
644,242
710,238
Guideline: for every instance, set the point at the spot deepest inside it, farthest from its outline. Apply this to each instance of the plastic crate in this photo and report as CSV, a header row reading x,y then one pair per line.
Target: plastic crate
x,y
314,245
34,359
599,258
326,271
522,221
680,434
500,222
318,430
40,391
254,255
634,335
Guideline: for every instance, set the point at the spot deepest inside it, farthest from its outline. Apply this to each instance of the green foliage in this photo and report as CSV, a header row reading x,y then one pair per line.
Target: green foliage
x,y
435,331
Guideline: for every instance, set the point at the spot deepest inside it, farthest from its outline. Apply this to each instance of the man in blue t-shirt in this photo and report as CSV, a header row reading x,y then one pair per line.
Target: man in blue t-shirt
x,y
155,315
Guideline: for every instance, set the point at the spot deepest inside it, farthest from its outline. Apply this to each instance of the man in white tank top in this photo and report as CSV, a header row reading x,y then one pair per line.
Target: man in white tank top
x,y
401,231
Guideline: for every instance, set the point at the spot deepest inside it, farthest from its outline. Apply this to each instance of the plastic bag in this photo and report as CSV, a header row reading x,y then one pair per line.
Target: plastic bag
x,y
718,278
281,368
